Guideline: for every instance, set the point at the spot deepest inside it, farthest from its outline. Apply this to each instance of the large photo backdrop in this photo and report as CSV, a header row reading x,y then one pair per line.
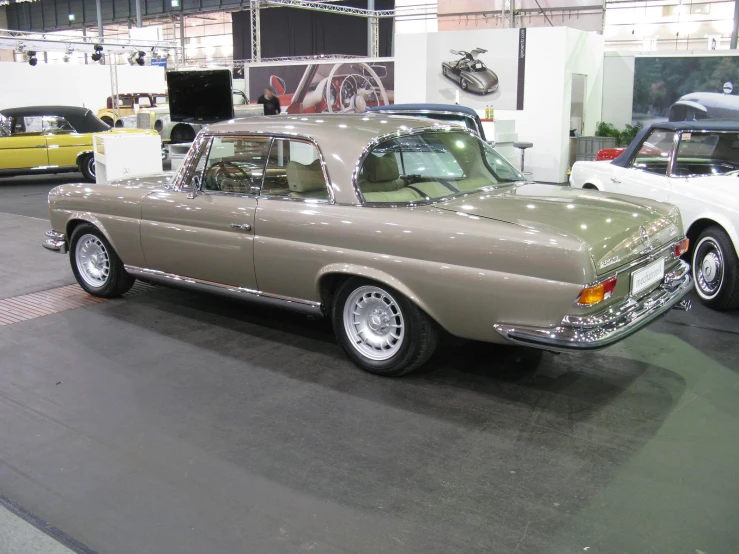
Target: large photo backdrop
x,y
479,68
326,87
685,88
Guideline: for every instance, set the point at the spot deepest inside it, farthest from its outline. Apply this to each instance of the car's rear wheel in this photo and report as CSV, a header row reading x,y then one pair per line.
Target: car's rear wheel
x,y
95,264
716,269
87,167
380,329
107,120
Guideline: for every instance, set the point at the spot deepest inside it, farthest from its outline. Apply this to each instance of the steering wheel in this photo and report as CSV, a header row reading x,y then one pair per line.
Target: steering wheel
x,y
220,171
356,89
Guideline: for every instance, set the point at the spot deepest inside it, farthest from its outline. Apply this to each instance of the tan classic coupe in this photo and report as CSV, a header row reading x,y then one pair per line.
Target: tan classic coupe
x,y
394,227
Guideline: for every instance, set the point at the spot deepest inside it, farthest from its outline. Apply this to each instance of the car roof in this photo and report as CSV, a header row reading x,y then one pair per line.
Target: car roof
x,y
82,119
342,138
452,108
699,125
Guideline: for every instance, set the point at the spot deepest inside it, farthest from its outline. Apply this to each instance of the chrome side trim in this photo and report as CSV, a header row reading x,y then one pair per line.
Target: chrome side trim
x,y
56,242
609,326
644,257
307,306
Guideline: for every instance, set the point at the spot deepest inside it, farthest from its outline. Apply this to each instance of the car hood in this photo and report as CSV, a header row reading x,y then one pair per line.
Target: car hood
x,y
612,226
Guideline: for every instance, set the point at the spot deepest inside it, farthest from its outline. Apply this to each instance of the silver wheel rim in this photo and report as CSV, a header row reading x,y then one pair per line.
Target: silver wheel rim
x,y
374,323
93,260
91,165
708,268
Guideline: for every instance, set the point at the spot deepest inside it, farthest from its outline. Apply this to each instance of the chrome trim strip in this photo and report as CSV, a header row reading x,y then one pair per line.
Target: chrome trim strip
x,y
298,304
643,258
56,242
607,327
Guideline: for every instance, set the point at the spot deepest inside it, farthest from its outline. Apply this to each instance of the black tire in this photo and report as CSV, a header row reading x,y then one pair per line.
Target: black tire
x,y
445,71
716,269
182,133
419,333
119,123
463,84
116,282
87,167
107,120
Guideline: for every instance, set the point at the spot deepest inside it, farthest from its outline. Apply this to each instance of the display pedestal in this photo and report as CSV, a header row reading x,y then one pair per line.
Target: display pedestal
x,y
125,156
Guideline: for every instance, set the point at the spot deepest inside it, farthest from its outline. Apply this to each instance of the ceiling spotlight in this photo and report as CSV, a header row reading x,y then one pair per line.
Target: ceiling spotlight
x,y
31,57
98,54
20,47
136,57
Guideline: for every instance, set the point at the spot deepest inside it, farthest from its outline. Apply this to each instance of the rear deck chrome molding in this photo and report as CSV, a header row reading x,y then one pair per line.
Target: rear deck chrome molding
x,y
307,306
609,326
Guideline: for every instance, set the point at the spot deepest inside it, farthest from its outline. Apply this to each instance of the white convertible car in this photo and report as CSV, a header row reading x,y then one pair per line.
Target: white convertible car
x,y
695,165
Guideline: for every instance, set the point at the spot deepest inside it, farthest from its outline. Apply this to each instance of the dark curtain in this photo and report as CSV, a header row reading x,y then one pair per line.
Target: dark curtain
x,y
298,32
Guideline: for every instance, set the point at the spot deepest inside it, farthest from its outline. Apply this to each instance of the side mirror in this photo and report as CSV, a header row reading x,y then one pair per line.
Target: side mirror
x,y
491,143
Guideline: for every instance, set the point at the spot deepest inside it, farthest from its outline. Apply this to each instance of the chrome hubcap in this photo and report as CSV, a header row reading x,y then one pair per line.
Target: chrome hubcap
x,y
708,268
91,166
93,262
374,323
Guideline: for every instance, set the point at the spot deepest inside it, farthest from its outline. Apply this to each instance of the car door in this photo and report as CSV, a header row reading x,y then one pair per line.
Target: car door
x,y
22,146
63,142
646,173
204,229
298,227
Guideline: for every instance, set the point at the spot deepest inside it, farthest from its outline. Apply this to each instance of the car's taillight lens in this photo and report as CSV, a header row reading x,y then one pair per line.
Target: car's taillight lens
x,y
597,293
682,247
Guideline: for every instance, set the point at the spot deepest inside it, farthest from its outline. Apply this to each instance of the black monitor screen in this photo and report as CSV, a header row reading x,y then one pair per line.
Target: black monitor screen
x,y
200,96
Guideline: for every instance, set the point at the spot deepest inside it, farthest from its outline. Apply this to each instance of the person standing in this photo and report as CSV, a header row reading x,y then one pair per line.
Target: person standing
x,y
270,102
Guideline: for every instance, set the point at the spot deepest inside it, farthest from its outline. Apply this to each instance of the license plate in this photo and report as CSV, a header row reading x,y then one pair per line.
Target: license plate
x,y
645,277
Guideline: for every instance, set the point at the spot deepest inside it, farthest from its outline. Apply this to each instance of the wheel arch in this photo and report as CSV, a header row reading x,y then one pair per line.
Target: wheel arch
x,y
331,277
80,155
700,224
77,219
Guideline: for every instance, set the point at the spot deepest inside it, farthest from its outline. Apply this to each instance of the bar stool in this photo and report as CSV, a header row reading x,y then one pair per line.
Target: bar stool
x,y
522,146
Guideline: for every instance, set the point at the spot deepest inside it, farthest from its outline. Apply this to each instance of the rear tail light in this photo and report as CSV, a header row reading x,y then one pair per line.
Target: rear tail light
x,y
597,293
682,247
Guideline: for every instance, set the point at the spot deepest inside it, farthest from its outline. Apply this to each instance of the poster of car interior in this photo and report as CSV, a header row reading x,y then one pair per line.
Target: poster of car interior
x,y
480,68
685,88
344,87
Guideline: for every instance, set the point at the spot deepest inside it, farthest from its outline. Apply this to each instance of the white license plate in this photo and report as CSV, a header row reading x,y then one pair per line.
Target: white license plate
x,y
645,277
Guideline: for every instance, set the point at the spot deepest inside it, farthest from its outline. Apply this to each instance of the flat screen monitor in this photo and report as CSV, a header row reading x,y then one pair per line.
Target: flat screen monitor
x,y
200,96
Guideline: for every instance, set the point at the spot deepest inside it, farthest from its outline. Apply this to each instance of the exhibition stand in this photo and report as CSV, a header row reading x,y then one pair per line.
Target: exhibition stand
x,y
126,155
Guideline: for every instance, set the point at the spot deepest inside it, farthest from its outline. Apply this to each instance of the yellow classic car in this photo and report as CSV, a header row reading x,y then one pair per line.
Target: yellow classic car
x,y
129,104
50,139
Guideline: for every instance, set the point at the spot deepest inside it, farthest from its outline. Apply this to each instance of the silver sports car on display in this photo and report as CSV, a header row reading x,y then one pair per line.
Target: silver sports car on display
x,y
470,73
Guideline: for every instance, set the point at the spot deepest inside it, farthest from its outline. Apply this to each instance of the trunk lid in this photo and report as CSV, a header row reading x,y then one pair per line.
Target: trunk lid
x,y
616,229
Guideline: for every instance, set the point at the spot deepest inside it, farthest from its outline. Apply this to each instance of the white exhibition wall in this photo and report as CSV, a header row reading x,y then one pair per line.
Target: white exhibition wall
x,y
72,84
553,55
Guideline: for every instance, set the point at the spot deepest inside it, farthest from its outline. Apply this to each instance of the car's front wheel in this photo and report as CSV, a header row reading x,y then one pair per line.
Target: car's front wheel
x,y
463,84
716,269
87,167
380,329
95,264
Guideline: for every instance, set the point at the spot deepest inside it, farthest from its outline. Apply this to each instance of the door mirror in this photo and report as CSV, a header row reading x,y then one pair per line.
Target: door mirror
x,y
491,143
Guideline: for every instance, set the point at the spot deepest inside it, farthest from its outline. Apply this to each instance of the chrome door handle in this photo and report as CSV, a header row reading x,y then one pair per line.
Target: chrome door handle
x,y
614,180
242,226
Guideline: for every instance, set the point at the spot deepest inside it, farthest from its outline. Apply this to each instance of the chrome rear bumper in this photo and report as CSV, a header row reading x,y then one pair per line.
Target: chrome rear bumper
x,y
609,326
56,242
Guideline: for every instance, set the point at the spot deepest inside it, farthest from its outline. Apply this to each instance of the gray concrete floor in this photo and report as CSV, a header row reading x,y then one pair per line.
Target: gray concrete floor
x,y
177,422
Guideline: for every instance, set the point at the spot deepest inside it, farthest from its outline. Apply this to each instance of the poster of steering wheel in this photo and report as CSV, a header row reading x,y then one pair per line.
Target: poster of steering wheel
x,y
334,87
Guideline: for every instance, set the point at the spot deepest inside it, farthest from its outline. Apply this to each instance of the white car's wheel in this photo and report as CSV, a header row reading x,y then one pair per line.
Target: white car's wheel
x,y
715,269
380,329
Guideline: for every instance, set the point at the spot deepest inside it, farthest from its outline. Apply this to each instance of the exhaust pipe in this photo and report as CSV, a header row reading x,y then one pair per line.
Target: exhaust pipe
x,y
683,305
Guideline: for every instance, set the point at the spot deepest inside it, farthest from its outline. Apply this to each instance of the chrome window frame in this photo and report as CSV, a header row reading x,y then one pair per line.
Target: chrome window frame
x,y
411,113
670,159
371,145
327,183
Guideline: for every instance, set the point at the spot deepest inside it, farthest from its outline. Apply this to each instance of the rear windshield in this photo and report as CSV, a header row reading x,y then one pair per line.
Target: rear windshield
x,y
431,166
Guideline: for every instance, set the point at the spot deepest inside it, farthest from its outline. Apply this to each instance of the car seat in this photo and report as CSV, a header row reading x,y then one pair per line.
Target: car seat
x,y
306,181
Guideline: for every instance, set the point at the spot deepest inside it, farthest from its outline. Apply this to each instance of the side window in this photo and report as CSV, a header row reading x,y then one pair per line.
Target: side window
x,y
706,153
194,179
55,125
144,102
294,171
235,165
654,154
